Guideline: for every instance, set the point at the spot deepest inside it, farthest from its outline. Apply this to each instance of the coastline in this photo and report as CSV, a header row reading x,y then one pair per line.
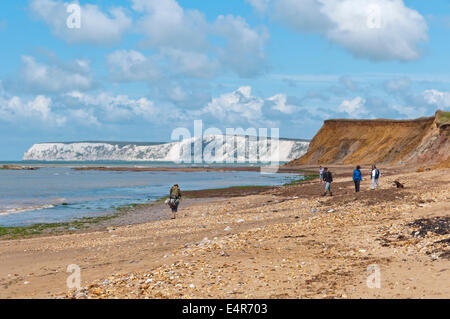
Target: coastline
x,y
183,169
129,214
287,242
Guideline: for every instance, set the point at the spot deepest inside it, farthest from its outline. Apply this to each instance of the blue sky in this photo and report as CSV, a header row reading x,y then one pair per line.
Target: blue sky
x,y
137,69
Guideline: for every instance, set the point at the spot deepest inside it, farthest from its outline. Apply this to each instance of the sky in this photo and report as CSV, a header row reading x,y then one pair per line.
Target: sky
x,y
135,70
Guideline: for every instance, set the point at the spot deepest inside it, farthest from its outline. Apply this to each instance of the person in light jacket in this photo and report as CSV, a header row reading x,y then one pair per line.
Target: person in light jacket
x,y
375,175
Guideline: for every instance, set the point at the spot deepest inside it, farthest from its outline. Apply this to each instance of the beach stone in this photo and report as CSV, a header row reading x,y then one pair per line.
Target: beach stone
x,y
228,228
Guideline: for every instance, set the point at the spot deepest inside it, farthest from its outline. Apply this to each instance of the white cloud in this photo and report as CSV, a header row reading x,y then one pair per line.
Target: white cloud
x,y
303,16
191,63
134,66
410,111
116,108
97,27
379,30
244,49
241,106
355,107
397,85
16,110
259,5
235,106
40,77
193,45
84,117
438,98
131,66
177,94
349,83
281,105
168,25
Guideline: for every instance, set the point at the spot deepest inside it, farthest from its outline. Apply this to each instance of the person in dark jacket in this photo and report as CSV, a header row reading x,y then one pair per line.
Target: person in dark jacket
x,y
174,199
328,179
357,178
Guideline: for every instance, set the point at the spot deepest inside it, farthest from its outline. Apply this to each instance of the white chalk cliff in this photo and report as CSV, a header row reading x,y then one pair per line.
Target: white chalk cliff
x,y
216,148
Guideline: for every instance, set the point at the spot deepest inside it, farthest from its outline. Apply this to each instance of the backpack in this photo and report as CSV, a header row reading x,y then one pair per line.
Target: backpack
x,y
175,192
377,173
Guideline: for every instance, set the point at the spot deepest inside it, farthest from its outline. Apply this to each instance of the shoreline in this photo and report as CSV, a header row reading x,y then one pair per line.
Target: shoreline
x,y
184,169
124,215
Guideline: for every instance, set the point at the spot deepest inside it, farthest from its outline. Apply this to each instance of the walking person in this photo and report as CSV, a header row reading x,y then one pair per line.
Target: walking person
x,y
174,199
328,179
321,174
375,174
357,178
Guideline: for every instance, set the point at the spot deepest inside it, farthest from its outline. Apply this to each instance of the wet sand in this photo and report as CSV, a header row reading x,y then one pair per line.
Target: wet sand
x,y
281,242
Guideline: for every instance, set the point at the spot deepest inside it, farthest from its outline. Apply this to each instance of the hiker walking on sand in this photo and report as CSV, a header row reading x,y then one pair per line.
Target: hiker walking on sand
x,y
174,199
321,174
375,174
357,178
328,179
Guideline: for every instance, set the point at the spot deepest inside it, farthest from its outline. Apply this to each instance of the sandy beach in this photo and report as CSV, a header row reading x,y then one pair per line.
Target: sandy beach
x,y
279,242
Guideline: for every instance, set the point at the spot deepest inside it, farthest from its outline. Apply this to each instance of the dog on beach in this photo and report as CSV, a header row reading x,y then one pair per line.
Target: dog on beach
x,y
398,184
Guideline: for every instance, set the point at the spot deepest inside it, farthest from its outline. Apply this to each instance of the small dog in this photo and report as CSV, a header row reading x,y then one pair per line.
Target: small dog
x,y
398,184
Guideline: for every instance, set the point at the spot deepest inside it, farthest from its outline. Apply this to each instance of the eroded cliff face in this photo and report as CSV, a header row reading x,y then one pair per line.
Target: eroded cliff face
x,y
380,141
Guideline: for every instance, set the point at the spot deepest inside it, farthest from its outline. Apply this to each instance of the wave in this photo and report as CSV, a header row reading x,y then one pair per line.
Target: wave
x,y
17,210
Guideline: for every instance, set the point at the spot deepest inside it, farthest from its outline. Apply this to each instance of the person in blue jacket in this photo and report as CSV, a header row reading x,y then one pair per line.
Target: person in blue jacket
x,y
357,178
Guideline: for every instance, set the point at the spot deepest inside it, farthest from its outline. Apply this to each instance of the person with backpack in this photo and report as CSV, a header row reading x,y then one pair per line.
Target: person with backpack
x,y
375,175
328,179
357,178
174,199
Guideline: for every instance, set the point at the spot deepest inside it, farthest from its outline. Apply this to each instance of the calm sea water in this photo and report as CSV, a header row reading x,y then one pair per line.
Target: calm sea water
x,y
57,193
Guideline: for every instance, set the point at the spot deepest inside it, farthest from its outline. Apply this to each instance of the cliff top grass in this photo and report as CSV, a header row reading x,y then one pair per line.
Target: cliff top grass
x,y
442,117
381,120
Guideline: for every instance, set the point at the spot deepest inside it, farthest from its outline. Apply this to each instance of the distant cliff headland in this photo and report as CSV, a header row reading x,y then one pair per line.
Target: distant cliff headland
x,y
289,149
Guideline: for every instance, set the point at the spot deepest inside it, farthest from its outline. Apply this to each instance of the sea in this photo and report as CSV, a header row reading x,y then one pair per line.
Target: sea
x,y
56,192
